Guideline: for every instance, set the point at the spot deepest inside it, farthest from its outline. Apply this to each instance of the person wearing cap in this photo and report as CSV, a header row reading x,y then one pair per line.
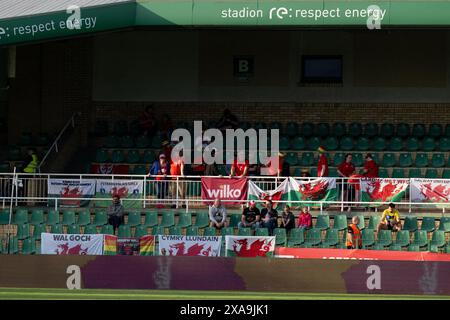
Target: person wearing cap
x,y
370,167
322,165
250,217
160,168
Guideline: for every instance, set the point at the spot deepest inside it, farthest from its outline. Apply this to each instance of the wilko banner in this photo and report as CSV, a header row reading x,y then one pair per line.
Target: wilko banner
x,y
249,247
125,189
189,246
383,190
225,189
430,190
110,168
70,189
75,244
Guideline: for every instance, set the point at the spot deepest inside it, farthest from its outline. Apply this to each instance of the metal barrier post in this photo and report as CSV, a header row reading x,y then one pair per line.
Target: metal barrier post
x,y
145,191
14,183
342,194
177,193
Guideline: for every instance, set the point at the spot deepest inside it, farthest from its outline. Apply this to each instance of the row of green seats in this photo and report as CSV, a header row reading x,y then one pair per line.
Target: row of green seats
x,y
119,156
127,141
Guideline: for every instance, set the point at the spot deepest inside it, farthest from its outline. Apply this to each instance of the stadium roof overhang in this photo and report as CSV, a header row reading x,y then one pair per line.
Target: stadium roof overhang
x,y
23,21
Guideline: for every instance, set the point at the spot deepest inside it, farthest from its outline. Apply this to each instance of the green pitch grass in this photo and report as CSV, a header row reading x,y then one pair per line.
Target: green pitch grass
x,y
94,294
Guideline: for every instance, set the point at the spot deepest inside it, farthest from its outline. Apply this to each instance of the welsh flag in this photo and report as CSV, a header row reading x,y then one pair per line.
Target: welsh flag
x,y
320,190
249,247
282,192
383,190
431,190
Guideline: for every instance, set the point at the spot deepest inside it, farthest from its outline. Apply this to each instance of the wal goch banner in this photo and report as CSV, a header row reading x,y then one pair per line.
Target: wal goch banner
x,y
72,244
62,189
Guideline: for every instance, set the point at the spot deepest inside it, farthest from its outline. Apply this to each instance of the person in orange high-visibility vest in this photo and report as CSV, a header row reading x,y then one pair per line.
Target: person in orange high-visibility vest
x,y
354,239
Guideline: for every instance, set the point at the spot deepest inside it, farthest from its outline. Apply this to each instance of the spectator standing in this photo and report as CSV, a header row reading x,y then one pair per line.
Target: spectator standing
x,y
160,169
390,220
148,121
269,217
305,219
354,238
287,219
239,169
29,185
217,215
177,173
345,170
250,217
322,165
370,167
115,213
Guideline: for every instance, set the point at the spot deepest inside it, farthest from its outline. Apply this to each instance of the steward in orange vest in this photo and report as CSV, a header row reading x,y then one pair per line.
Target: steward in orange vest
x,y
354,239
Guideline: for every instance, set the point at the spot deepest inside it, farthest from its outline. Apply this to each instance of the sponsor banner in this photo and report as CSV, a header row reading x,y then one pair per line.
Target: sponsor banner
x,y
128,246
147,245
430,190
59,188
353,254
225,189
72,244
110,169
383,190
189,246
249,247
125,189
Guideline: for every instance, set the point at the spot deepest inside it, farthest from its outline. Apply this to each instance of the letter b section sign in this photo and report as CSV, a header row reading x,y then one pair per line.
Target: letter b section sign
x,y
243,66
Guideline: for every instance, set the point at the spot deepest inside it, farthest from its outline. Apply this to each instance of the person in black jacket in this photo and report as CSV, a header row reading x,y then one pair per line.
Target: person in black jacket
x,y
287,219
269,217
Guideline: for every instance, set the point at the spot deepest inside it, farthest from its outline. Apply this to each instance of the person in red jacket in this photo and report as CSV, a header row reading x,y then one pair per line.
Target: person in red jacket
x,y
322,165
370,167
347,169
304,219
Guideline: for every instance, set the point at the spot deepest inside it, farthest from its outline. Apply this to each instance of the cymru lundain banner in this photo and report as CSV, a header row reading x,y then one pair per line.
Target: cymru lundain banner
x,y
225,189
383,190
74,244
430,190
127,189
58,188
189,246
249,247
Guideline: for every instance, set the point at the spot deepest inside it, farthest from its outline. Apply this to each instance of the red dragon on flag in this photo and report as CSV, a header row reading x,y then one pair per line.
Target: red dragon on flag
x,y
75,250
439,193
383,189
179,249
120,192
257,248
71,193
313,191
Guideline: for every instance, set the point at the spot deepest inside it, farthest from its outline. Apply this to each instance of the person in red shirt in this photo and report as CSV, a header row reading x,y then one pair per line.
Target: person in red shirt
x,y
345,170
177,170
370,167
239,169
322,166
275,171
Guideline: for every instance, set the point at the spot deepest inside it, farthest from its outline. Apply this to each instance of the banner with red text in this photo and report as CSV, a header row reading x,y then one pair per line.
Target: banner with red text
x,y
225,189
70,189
430,190
60,244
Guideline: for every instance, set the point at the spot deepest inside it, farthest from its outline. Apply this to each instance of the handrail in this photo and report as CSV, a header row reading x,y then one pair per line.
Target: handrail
x,y
55,143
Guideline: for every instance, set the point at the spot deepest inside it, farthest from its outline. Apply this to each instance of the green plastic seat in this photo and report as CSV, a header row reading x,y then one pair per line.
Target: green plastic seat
x,y
313,143
291,158
127,142
13,245
338,158
313,172
405,160
124,231
444,144
322,222
292,129
118,156
383,173
56,228
395,247
26,139
415,173
262,232
68,218
368,238
185,220
414,248
111,141
412,144
340,222
395,144
307,129
398,173
52,218
284,143
107,229
374,221
38,230
101,156
444,224
73,229
175,231
331,143
420,238
307,159
447,130
438,160
280,236
259,125
149,156
14,154
120,127
134,219
421,160
5,167
168,220
296,238
141,231
333,172
275,125
84,218
388,160
355,129
403,130
435,130
151,219
385,238
331,238
228,231
362,223
37,217
209,232
446,174
90,229
346,143
201,220
192,231
23,231
339,129
323,129
428,224
418,130
28,246
437,239
379,144
387,130
140,170
363,144
403,238
142,141
371,129
133,156
428,144
358,159
234,220
101,128
245,232
431,174
42,139
100,218
313,238
298,143
20,217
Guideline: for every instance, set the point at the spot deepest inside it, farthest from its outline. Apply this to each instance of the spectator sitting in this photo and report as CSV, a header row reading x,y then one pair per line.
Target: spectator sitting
x,y
115,213
305,219
239,169
269,217
148,121
250,217
287,219
228,121
212,169
217,215
354,239
390,220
